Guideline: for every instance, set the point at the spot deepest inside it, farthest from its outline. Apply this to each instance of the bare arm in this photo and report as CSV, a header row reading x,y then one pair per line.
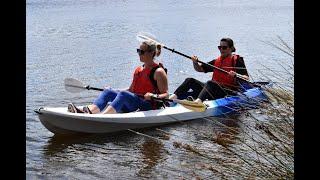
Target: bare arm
x,y
196,65
162,81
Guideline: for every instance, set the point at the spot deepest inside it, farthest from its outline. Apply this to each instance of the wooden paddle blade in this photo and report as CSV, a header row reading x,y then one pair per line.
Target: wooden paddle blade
x,y
73,85
194,106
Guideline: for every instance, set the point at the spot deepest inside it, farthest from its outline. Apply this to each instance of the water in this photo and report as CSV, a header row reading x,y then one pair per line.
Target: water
x,y
95,42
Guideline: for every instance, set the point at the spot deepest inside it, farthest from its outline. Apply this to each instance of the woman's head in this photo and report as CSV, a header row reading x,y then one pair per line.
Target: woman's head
x,y
147,51
226,47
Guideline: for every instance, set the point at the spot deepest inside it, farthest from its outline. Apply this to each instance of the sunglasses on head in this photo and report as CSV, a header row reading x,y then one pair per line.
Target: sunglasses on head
x,y
141,52
223,47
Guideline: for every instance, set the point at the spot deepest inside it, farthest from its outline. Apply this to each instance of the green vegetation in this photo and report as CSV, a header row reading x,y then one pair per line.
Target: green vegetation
x,y
257,145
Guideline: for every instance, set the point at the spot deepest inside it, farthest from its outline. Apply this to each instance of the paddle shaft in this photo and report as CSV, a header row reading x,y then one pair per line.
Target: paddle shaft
x,y
94,88
161,99
215,67
70,82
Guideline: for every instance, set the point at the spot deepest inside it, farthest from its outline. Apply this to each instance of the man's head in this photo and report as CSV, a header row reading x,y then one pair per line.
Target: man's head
x,y
226,47
147,51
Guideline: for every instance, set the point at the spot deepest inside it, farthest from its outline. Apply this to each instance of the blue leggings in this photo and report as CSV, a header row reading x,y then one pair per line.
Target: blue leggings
x,y
121,101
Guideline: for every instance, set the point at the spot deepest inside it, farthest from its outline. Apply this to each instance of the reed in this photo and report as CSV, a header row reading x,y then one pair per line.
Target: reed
x,y
268,141
263,148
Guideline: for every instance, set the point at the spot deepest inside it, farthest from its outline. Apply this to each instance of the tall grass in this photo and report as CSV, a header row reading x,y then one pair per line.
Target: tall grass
x,y
263,147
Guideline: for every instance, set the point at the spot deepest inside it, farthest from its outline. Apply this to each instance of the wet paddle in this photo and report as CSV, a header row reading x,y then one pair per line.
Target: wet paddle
x,y
198,107
143,36
75,86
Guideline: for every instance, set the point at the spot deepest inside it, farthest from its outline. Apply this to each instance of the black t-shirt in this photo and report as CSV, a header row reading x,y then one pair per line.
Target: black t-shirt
x,y
239,66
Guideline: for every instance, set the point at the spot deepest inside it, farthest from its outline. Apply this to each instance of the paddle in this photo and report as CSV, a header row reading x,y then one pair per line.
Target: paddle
x,y
75,86
198,107
143,36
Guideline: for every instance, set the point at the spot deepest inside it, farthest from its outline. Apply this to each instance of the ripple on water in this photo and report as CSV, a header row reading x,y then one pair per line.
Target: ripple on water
x,y
94,41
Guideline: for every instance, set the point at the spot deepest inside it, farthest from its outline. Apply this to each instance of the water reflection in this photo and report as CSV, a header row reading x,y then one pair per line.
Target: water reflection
x,y
127,152
225,129
58,143
64,38
152,153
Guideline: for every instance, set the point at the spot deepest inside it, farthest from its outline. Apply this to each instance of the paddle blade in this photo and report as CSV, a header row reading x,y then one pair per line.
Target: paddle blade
x,y
194,106
144,36
73,85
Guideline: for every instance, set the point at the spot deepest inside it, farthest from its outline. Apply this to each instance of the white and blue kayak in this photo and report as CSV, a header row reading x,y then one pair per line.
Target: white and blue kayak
x,y
59,121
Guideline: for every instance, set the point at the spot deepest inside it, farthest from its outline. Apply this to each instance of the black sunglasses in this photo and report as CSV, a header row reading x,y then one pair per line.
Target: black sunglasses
x,y
223,47
140,52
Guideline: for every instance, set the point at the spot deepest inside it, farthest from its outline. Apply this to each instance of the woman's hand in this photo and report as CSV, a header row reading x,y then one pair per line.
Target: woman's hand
x,y
148,96
194,58
196,64
232,74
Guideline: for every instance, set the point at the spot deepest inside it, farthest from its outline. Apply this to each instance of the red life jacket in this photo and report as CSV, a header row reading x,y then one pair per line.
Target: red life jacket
x,y
144,82
141,83
227,64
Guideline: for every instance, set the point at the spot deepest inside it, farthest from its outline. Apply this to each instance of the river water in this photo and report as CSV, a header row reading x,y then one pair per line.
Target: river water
x,y
95,41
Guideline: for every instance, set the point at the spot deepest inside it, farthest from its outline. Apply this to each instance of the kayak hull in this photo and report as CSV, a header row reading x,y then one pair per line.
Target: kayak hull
x,y
65,125
59,121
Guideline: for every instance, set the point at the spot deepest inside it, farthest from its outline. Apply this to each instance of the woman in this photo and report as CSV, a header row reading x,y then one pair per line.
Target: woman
x,y
221,84
138,96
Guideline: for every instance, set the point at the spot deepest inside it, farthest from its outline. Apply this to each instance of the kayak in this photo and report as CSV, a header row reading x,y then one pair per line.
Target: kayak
x,y
59,121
